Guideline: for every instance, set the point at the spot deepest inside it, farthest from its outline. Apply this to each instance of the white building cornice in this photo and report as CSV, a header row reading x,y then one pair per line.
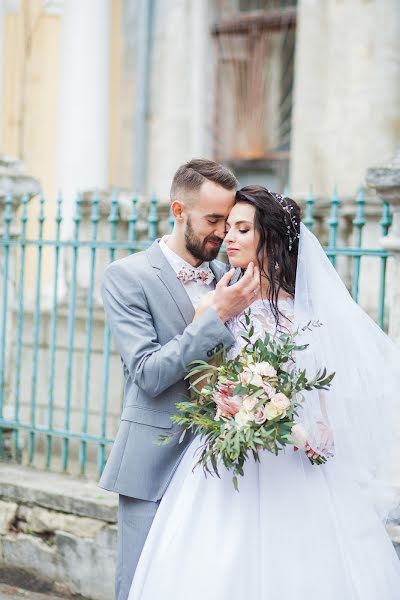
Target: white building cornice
x,y
53,7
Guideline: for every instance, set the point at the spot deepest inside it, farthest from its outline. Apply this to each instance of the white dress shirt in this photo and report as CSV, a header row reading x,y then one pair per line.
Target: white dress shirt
x,y
195,289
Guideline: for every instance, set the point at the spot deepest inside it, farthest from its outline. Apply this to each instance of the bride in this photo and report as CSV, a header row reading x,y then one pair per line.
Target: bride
x,y
295,529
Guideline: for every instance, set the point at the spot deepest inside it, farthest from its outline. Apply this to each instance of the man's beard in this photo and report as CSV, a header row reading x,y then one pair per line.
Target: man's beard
x,y
197,247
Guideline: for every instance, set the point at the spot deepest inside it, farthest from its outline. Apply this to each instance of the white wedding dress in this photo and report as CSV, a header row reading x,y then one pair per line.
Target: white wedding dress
x,y
293,530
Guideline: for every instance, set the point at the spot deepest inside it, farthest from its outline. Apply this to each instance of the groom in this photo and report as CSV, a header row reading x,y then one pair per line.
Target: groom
x,y
150,299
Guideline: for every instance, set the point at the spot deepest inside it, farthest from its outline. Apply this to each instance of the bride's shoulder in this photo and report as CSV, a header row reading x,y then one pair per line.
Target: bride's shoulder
x,y
283,302
264,312
263,315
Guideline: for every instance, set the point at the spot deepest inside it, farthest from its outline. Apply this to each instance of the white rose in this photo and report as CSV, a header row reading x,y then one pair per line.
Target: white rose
x,y
257,380
242,418
272,412
249,403
298,436
269,389
281,401
245,376
264,369
249,376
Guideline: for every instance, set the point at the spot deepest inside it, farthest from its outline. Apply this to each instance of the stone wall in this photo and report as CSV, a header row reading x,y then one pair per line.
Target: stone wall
x,y
57,533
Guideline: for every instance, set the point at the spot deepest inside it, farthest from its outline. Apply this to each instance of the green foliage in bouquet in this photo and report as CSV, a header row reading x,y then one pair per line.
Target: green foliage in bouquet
x,y
249,403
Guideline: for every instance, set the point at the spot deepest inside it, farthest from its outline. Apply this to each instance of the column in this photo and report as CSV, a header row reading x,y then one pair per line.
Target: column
x,y
84,97
201,97
181,98
346,93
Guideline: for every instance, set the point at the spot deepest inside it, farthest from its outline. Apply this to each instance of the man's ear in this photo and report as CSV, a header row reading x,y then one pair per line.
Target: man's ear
x,y
178,209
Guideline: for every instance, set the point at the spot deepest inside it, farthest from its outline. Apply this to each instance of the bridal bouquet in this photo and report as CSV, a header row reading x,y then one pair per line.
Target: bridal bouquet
x,y
248,404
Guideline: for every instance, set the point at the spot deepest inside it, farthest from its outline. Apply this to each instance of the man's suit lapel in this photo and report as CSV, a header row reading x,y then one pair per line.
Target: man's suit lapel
x,y
168,276
218,268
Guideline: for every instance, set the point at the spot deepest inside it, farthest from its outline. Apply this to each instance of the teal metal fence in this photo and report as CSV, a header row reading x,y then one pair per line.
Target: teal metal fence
x,y
51,392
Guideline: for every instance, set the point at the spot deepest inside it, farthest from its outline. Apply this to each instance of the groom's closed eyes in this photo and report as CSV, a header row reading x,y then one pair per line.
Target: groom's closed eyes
x,y
213,218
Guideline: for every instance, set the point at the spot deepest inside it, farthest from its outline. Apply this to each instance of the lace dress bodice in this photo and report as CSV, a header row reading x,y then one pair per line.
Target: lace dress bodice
x,y
263,320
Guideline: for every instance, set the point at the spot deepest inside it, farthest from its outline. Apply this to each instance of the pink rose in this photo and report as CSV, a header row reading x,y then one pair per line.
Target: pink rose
x,y
268,389
259,415
227,387
227,406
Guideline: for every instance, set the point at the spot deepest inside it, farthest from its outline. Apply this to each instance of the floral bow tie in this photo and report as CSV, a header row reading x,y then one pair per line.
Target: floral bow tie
x,y
186,274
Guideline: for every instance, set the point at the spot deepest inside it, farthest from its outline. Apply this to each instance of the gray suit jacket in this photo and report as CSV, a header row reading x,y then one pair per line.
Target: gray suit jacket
x,y
150,317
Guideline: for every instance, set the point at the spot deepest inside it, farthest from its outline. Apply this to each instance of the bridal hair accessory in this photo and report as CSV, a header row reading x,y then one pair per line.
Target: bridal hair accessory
x,y
292,225
187,274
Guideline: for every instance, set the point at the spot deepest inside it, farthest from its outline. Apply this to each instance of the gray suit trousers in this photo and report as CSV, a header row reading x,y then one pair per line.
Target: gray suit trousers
x,y
134,521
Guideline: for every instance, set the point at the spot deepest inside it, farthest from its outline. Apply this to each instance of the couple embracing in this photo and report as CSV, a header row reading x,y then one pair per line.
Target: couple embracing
x,y
294,529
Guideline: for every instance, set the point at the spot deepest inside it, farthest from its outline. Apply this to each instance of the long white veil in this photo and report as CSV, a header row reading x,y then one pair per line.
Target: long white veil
x,y
363,406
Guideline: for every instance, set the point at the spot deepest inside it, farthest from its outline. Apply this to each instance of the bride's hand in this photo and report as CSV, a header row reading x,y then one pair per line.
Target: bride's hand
x,y
204,304
326,443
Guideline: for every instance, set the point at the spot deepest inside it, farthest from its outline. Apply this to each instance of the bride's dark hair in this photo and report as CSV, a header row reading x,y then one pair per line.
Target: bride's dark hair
x,y
277,220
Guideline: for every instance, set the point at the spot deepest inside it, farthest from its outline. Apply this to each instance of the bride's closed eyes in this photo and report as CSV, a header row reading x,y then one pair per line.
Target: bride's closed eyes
x,y
240,230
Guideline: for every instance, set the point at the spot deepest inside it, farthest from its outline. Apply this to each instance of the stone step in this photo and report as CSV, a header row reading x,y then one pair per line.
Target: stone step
x,y
11,592
54,491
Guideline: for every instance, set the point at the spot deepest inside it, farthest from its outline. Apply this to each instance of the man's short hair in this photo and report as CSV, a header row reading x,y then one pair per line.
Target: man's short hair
x,y
190,176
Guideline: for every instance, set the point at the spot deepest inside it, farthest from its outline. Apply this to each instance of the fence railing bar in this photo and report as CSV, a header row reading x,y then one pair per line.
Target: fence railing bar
x,y
82,244
101,458
7,218
385,224
349,251
132,220
36,331
20,321
95,217
61,433
153,219
308,218
71,332
358,225
171,220
357,252
53,332
333,223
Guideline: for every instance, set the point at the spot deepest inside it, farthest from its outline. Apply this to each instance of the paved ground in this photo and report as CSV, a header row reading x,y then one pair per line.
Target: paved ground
x,y
9,592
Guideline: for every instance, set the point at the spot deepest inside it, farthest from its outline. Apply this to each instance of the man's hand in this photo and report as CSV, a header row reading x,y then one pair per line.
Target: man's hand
x,y
233,300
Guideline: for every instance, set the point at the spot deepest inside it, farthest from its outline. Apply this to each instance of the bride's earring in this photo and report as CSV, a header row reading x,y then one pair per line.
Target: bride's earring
x,y
276,266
